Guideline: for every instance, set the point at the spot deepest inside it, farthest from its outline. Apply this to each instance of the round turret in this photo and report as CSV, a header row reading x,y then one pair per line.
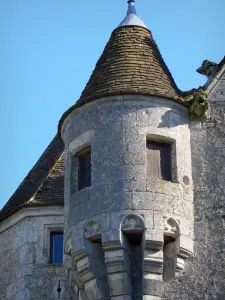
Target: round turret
x,y
128,183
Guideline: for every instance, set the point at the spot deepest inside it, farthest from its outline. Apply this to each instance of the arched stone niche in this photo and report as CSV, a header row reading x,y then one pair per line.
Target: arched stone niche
x,y
171,230
133,224
171,227
92,231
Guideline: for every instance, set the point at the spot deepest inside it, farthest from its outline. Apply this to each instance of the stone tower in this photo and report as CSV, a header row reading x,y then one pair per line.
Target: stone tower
x,y
143,165
128,179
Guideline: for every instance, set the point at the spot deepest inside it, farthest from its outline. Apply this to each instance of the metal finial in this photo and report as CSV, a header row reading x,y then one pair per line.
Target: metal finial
x,y
132,18
131,7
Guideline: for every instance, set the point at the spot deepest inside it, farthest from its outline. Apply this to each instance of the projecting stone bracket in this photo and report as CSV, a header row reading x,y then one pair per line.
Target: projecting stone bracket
x,y
75,281
130,263
177,249
197,103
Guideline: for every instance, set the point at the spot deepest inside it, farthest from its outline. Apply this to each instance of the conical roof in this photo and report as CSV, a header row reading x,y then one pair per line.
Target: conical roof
x,y
131,63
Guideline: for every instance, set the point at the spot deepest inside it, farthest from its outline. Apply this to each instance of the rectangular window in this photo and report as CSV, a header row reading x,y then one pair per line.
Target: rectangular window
x,y
84,168
56,247
159,160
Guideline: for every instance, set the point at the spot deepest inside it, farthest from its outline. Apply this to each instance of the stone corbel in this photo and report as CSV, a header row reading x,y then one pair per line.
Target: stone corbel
x,y
72,273
197,103
96,278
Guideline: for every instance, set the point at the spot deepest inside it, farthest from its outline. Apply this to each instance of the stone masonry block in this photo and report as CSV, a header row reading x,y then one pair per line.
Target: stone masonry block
x,y
113,202
110,236
135,153
105,149
104,174
92,290
152,287
118,284
105,131
113,115
158,220
147,297
79,197
77,213
90,208
186,243
164,187
27,254
123,297
144,116
183,208
153,235
153,201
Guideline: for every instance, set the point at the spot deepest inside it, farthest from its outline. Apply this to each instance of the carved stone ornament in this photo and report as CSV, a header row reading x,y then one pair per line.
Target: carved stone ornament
x,y
171,227
133,223
200,105
196,101
68,245
208,68
93,231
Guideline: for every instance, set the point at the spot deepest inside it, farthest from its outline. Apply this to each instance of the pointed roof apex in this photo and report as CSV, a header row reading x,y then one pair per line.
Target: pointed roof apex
x,y
131,17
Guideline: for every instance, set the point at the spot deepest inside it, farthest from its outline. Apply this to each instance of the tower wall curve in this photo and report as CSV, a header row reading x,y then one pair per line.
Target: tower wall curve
x,y
102,245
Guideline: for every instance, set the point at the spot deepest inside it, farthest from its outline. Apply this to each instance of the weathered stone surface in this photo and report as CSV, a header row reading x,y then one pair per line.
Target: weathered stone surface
x,y
120,187
205,273
24,262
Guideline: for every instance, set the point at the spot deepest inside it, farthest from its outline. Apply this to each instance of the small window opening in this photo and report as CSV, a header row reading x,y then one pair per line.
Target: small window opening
x,y
169,258
84,168
56,247
159,160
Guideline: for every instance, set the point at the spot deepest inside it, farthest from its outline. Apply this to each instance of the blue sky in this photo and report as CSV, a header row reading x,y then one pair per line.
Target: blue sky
x,y
48,49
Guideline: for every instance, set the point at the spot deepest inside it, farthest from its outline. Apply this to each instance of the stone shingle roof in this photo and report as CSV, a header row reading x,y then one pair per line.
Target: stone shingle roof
x,y
130,64
44,184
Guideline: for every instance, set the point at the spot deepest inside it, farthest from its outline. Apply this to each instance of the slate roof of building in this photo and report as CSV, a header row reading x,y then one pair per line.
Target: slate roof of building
x,y
43,185
131,63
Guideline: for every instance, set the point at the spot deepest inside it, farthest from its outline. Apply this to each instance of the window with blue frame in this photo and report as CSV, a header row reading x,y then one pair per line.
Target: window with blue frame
x,y
56,247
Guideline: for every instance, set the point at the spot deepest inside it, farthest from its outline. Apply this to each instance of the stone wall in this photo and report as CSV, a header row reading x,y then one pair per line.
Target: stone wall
x,y
25,272
204,276
117,128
